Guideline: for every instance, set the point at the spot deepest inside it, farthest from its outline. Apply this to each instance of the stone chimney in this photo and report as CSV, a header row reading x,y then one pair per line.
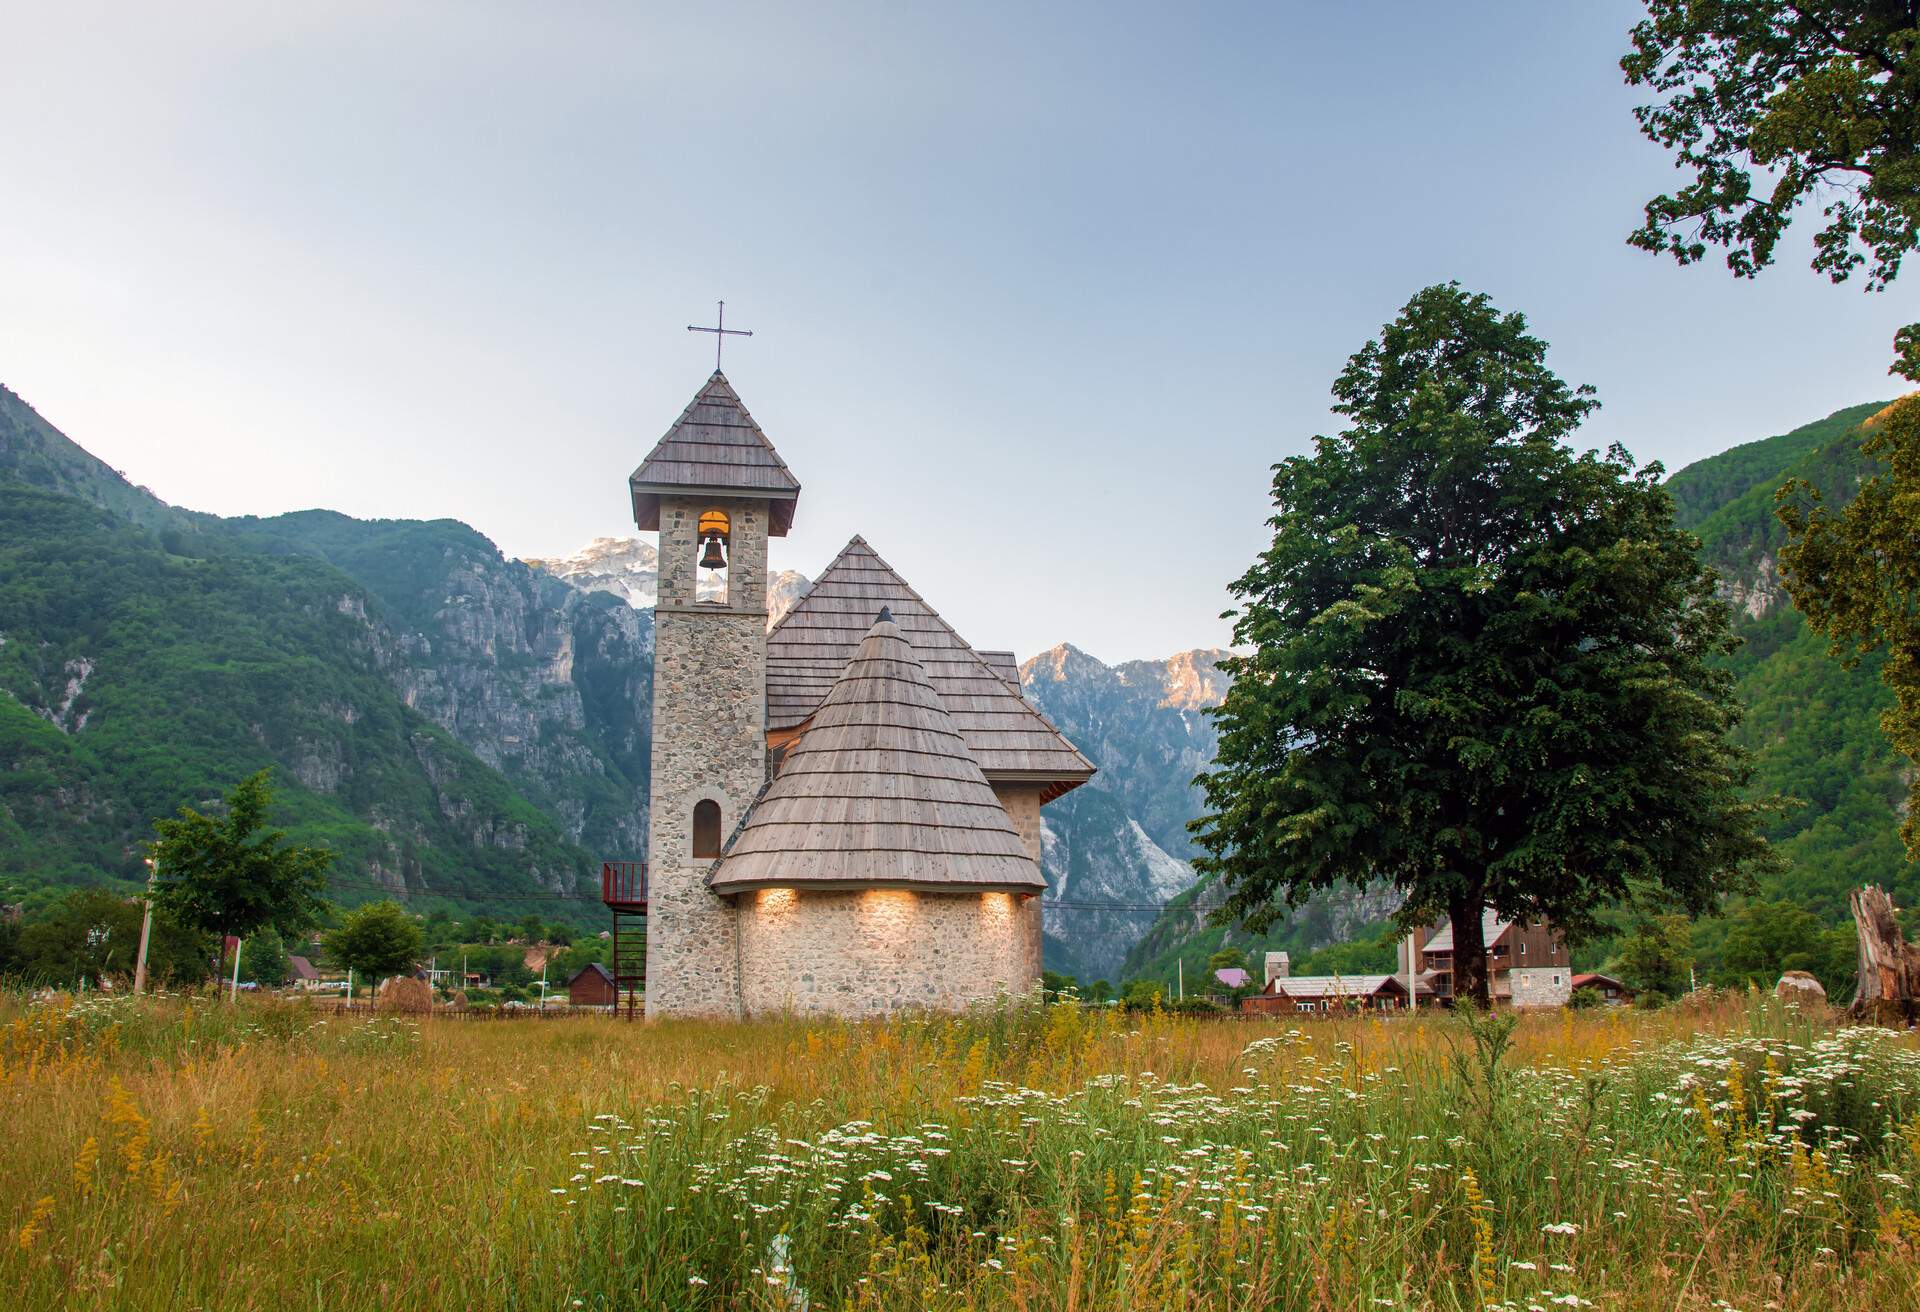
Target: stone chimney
x,y
1279,966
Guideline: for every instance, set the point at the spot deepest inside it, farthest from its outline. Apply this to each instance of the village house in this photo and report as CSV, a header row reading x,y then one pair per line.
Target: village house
x,y
301,973
1285,993
1527,963
592,986
1611,990
1328,994
845,809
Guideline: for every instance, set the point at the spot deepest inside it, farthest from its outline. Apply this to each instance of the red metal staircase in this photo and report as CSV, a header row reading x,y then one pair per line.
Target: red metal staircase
x,y
623,887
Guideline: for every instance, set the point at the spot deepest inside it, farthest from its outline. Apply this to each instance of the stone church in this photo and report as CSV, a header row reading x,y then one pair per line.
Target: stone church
x,y
845,807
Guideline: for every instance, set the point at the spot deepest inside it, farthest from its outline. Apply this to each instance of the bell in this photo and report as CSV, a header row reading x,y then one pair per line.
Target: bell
x,y
712,557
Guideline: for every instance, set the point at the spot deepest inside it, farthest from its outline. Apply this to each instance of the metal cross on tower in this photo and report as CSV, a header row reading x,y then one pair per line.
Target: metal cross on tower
x,y
720,334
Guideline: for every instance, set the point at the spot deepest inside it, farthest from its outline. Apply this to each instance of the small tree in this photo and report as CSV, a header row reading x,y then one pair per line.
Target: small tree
x,y
376,940
1767,939
1227,959
265,960
231,875
1657,957
1478,666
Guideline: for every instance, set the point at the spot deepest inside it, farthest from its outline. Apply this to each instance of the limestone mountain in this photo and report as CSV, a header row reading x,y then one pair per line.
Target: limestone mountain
x,y
1143,722
1115,849
549,684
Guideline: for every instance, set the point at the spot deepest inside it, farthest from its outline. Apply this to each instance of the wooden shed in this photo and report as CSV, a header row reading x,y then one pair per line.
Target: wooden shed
x,y
592,986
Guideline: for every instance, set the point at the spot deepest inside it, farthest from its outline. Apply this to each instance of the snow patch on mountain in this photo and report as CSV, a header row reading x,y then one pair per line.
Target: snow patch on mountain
x,y
626,567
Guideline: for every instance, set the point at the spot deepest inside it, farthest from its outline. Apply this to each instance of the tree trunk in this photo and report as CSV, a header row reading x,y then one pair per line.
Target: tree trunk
x,y
1470,982
1888,987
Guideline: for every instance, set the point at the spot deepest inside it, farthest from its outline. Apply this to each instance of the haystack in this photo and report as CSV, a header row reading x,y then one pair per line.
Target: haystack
x,y
405,993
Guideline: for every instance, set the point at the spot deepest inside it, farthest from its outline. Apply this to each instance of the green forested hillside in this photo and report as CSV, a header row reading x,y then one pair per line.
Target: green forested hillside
x,y
35,453
1813,725
135,679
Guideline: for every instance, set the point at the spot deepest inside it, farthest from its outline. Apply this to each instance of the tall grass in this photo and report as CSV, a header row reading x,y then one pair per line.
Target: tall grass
x,y
178,1153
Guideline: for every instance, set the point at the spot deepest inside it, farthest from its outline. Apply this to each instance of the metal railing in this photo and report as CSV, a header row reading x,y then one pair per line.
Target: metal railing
x,y
623,882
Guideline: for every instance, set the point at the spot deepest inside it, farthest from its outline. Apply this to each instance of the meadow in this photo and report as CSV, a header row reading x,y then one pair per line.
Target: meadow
x,y
182,1153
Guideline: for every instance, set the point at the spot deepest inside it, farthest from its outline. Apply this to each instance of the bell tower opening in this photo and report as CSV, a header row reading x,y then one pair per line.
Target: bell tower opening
x,y
706,828
713,540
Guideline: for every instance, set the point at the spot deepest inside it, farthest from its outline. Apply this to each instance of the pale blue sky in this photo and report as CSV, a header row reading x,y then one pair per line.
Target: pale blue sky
x,y
1039,291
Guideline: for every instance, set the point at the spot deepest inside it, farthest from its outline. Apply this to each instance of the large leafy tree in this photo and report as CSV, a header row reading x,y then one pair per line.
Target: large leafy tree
x,y
1479,667
233,874
1855,575
1777,104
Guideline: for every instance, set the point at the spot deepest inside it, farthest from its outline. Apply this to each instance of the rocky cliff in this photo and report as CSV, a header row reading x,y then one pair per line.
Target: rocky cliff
x,y
548,682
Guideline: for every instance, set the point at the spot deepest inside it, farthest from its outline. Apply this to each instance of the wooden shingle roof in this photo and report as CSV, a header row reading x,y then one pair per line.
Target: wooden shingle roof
x,y
1005,733
880,791
714,446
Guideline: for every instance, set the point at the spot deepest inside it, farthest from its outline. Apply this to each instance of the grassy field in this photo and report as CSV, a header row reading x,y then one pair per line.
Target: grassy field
x,y
186,1154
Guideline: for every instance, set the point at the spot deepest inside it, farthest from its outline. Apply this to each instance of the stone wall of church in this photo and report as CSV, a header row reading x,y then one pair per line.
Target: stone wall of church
x,y
878,950
1023,808
709,742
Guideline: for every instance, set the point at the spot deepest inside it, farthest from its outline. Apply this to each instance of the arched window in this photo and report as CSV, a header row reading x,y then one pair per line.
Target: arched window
x,y
713,542
706,828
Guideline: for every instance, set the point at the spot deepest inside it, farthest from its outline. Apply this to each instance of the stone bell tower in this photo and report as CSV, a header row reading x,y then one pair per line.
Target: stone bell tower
x,y
716,490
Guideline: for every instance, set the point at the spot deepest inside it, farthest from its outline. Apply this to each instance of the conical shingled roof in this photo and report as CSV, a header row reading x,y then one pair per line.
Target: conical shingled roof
x,y
806,651
714,446
880,791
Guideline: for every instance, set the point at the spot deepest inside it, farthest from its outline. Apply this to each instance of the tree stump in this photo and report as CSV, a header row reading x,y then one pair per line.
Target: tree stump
x,y
1888,991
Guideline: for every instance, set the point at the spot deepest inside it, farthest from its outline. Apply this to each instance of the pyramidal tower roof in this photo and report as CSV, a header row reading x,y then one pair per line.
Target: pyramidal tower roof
x,y
1006,734
715,447
880,791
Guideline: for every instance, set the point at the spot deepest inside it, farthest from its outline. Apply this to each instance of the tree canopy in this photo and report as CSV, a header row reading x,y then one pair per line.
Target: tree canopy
x,y
1856,576
1773,105
1480,668
376,940
231,875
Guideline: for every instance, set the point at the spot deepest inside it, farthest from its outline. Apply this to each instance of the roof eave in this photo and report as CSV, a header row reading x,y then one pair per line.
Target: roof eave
x,y
646,502
727,888
1053,783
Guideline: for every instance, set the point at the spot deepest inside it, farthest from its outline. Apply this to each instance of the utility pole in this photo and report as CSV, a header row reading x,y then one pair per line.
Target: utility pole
x,y
146,931
1413,974
238,943
1180,963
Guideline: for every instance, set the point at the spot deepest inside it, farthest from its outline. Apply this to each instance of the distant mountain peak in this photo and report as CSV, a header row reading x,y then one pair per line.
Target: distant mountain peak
x,y
1187,680
629,568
